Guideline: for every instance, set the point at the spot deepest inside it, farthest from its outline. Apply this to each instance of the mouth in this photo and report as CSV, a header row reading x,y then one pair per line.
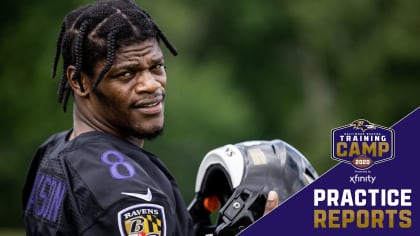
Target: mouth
x,y
150,106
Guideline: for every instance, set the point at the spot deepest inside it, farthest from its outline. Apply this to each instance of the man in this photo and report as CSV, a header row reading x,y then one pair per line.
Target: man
x,y
95,179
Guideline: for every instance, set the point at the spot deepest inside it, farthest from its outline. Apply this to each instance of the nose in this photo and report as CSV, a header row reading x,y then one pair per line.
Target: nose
x,y
148,82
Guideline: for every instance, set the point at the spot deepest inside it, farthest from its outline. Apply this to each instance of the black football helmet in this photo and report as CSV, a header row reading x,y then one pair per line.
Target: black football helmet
x,y
235,180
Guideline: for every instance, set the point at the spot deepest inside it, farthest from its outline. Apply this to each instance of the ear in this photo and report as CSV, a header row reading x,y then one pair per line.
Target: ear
x,y
81,87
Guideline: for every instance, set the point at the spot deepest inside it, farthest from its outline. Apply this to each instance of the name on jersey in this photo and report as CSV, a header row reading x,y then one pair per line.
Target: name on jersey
x,y
46,197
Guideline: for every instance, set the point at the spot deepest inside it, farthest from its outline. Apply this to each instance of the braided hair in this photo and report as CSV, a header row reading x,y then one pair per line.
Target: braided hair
x,y
94,32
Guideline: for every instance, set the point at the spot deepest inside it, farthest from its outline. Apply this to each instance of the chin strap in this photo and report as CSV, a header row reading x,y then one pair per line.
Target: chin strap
x,y
201,216
241,210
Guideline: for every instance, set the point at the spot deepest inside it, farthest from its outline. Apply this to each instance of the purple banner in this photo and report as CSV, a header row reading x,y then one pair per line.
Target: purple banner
x,y
379,200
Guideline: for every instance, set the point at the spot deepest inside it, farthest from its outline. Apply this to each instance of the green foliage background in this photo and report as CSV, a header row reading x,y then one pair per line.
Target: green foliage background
x,y
247,70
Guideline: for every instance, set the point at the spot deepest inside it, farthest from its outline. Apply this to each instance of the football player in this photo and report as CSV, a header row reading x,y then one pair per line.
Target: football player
x,y
95,178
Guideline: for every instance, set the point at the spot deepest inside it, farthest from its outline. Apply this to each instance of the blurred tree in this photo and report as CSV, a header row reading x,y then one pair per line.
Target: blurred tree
x,y
31,113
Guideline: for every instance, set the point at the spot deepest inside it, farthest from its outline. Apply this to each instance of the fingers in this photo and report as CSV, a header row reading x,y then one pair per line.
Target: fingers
x,y
272,201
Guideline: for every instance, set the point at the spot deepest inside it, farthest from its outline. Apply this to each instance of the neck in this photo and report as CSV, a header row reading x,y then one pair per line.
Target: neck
x,y
83,125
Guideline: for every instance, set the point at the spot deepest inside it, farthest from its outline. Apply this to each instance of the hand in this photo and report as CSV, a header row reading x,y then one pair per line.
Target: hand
x,y
272,202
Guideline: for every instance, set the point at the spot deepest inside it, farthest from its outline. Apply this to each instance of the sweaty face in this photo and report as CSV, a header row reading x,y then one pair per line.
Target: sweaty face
x,y
129,101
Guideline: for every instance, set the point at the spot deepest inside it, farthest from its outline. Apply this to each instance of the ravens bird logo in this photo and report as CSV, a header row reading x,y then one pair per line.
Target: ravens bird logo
x,y
363,125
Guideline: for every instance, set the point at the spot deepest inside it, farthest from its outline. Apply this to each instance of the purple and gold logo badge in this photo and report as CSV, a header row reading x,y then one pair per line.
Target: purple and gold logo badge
x,y
362,144
142,220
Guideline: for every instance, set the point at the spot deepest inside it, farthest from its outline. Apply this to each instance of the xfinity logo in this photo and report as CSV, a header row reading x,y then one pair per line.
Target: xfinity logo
x,y
362,179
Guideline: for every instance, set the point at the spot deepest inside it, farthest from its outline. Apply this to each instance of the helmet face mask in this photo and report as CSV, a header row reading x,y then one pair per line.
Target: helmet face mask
x,y
239,177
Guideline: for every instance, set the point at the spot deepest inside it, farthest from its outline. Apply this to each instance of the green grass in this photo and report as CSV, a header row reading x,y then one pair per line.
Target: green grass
x,y
12,232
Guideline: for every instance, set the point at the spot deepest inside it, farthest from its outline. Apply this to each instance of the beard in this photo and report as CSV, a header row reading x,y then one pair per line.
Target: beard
x,y
150,135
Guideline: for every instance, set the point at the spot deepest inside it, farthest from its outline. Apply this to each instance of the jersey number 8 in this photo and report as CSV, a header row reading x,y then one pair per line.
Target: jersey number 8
x,y
118,166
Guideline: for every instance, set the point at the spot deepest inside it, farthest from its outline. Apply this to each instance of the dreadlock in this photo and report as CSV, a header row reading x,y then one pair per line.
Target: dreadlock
x,y
94,32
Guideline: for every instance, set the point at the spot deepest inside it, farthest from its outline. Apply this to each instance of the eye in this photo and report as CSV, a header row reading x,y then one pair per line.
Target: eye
x,y
158,68
124,75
